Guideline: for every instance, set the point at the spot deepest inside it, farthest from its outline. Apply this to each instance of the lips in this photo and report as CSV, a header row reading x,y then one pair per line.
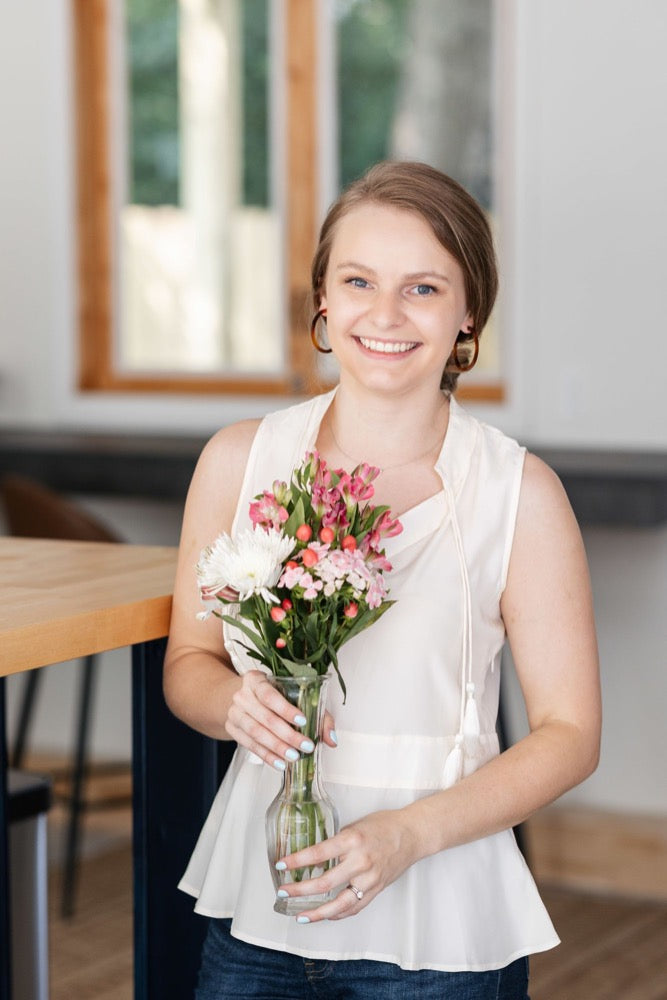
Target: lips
x,y
387,346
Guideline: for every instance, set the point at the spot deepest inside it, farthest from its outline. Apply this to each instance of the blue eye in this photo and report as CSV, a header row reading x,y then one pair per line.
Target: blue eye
x,y
357,282
424,289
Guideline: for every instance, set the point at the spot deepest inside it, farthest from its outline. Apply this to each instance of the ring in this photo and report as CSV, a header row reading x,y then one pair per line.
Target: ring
x,y
357,892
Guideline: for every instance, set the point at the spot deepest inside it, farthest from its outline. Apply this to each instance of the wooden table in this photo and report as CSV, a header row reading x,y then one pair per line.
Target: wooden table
x,y
62,600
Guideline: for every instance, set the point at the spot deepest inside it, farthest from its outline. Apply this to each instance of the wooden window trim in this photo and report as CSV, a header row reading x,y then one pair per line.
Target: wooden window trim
x,y
94,219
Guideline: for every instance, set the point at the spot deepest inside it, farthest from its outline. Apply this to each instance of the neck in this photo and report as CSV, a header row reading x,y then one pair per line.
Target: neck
x,y
386,431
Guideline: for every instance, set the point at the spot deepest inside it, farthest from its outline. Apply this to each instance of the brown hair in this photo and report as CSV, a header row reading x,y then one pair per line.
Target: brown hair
x,y
457,221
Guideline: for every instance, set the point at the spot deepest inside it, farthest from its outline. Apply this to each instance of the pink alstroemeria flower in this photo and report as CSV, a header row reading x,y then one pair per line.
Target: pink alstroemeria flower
x,y
223,593
389,526
358,487
267,512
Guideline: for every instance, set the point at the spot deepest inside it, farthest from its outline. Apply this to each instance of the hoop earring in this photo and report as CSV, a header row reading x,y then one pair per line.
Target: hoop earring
x,y
320,314
456,364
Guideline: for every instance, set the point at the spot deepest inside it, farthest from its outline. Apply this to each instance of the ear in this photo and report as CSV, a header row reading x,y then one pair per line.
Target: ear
x,y
468,324
323,302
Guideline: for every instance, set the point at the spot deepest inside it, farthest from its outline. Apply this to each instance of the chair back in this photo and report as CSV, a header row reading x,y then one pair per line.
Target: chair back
x,y
34,511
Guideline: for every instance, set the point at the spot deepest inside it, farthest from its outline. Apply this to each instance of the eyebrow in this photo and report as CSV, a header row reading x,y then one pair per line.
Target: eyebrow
x,y
353,264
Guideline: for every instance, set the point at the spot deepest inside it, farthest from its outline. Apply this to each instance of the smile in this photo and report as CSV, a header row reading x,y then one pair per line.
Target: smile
x,y
387,346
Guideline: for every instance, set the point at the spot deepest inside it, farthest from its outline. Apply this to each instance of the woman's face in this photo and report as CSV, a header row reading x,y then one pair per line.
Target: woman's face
x,y
395,299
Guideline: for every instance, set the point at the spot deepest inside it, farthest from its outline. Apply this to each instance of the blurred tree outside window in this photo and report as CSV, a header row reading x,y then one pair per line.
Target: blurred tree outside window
x,y
216,94
199,238
414,81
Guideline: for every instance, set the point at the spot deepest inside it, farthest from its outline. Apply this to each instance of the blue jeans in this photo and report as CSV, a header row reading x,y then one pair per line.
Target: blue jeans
x,y
234,970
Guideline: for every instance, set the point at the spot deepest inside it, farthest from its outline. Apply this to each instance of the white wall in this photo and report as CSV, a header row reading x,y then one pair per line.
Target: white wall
x,y
584,175
628,570
592,215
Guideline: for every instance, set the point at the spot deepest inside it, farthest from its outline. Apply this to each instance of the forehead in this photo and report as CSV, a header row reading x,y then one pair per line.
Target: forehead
x,y
383,231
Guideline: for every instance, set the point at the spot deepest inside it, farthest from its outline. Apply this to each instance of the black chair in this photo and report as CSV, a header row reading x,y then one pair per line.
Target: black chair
x,y
33,511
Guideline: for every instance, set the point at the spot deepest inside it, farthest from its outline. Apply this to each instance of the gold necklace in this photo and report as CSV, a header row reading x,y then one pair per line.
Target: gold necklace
x,y
386,468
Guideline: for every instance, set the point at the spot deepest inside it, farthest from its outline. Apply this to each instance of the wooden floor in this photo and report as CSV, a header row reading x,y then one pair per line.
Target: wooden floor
x,y
90,954
612,949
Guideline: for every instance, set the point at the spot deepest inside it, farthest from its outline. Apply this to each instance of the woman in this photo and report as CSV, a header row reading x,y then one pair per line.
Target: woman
x,y
433,898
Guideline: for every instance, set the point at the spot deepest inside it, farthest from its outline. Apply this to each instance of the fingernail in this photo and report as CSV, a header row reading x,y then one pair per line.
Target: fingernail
x,y
303,920
292,754
300,720
333,737
307,746
280,764
280,866
282,894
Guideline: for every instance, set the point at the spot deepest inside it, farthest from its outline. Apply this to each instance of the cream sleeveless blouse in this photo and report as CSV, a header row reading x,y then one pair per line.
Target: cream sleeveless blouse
x,y
473,907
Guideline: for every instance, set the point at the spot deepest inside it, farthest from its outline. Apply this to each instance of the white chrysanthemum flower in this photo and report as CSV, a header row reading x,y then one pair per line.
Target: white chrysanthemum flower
x,y
249,564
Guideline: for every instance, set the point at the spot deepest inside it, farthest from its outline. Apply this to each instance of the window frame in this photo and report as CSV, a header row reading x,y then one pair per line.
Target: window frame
x,y
95,224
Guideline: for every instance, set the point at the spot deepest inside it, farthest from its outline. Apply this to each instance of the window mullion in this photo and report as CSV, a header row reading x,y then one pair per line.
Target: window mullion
x,y
301,57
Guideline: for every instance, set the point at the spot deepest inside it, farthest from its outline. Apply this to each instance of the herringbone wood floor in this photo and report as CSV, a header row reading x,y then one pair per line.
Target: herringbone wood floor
x,y
612,949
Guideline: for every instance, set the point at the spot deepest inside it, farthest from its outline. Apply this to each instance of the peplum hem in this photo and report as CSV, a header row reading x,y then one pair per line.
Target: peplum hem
x,y
486,893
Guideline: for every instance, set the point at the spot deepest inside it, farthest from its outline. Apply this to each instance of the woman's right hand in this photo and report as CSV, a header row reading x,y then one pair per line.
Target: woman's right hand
x,y
264,722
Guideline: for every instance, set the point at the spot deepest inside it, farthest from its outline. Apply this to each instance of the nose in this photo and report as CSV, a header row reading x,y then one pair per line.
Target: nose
x,y
386,309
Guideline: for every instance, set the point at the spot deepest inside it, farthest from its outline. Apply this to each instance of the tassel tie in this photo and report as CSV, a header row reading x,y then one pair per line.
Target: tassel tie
x,y
466,744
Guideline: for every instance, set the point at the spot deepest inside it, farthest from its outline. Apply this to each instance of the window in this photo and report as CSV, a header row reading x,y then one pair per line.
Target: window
x,y
212,134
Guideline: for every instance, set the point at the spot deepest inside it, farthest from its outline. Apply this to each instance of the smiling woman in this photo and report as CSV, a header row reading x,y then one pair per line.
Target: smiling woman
x,y
425,861
452,244
378,310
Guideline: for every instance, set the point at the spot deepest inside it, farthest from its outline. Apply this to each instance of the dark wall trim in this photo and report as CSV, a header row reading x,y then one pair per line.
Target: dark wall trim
x,y
604,487
109,464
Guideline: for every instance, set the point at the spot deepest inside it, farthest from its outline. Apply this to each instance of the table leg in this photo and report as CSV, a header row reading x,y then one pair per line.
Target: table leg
x,y
176,773
5,925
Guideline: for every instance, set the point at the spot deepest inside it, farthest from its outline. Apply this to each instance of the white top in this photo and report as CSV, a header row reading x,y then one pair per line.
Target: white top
x,y
473,907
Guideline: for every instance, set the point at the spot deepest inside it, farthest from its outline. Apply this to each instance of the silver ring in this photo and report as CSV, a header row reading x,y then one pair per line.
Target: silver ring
x,y
357,892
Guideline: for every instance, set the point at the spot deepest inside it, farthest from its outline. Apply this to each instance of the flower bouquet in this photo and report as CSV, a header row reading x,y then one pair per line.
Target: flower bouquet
x,y
305,579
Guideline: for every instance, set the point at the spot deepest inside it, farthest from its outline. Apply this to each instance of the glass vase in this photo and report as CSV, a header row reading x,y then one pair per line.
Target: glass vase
x,y
302,813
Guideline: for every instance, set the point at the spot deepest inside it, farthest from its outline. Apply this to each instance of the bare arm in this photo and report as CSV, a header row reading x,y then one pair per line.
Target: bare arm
x,y
548,613
201,686
547,609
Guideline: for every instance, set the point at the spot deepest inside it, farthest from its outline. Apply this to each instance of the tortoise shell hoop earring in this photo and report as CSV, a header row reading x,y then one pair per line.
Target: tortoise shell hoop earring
x,y
466,366
321,314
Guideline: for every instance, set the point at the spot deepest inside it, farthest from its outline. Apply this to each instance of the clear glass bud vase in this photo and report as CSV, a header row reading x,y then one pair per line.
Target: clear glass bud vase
x,y
302,813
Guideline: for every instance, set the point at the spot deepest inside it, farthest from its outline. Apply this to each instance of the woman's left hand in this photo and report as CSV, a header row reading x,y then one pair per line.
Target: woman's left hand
x,y
372,853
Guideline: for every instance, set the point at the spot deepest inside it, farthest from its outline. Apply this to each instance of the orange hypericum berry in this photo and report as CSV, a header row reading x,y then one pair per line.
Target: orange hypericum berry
x,y
280,643
291,564
352,610
309,557
286,604
349,543
304,532
327,535
277,614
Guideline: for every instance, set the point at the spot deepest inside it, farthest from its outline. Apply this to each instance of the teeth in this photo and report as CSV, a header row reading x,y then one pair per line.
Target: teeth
x,y
387,346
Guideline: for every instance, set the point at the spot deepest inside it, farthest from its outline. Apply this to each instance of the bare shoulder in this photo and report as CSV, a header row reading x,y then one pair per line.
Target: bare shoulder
x,y
544,508
541,489
547,539
217,480
230,446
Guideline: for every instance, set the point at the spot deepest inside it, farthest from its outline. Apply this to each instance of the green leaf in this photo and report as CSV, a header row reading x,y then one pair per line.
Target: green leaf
x,y
255,639
334,660
311,629
247,608
295,669
256,656
365,620
297,517
312,657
